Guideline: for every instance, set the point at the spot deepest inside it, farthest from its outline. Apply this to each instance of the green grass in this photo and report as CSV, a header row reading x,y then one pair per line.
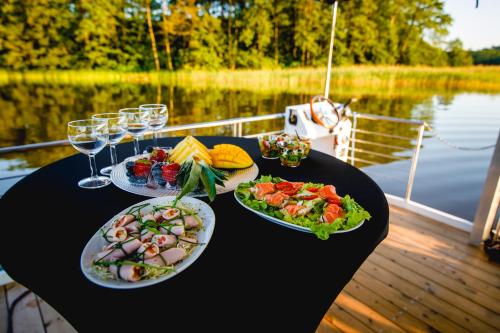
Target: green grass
x,y
301,80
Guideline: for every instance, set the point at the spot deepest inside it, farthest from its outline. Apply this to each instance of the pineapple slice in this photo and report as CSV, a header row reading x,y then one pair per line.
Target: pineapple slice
x,y
187,148
227,156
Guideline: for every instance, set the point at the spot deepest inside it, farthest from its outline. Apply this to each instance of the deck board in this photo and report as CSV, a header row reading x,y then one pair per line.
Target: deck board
x,y
423,278
3,310
26,315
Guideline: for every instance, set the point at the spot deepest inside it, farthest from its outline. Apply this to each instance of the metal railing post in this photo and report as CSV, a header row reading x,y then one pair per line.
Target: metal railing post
x,y
235,129
353,137
414,160
240,129
489,202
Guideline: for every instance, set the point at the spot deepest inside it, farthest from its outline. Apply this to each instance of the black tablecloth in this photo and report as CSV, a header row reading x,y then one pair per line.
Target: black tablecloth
x,y
253,276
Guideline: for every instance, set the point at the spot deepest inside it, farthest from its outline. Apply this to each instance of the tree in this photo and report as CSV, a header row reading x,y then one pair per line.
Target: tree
x,y
457,56
152,35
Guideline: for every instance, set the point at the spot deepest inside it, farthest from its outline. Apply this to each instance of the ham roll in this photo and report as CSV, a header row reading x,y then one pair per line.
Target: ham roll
x,y
177,230
123,220
119,250
164,241
116,234
129,273
168,257
191,221
146,235
149,250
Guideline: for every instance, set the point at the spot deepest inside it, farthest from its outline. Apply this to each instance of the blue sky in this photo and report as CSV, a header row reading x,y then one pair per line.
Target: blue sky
x,y
476,27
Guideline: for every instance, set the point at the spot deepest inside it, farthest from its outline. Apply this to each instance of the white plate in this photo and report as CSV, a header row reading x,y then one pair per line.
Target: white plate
x,y
120,179
96,243
286,224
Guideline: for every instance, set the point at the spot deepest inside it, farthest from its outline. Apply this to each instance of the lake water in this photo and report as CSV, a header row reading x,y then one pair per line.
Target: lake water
x,y
447,179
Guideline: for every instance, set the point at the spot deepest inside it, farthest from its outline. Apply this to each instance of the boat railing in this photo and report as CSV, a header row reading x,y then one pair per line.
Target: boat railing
x,y
366,148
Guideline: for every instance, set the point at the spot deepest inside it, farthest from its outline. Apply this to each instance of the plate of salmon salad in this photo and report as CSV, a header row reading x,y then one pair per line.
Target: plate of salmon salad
x,y
309,207
148,243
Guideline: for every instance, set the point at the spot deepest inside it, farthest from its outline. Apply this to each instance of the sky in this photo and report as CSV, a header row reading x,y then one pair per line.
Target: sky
x,y
477,27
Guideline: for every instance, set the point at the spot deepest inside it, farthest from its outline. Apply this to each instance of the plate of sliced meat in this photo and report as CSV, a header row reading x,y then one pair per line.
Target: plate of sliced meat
x,y
148,243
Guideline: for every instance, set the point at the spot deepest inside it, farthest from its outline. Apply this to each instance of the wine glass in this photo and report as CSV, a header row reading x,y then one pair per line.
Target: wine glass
x,y
116,129
89,136
136,124
158,117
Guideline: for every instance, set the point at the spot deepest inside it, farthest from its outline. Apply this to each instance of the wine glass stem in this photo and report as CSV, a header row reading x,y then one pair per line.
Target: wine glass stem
x,y
112,151
155,138
136,146
93,166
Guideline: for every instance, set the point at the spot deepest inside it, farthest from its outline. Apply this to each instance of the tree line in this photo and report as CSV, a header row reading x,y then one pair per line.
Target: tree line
x,y
134,35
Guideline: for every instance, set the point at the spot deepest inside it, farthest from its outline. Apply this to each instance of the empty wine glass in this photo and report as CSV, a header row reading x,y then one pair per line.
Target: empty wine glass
x,y
116,129
136,124
89,136
158,118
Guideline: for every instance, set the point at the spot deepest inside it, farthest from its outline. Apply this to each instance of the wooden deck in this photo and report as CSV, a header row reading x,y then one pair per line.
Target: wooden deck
x,y
422,278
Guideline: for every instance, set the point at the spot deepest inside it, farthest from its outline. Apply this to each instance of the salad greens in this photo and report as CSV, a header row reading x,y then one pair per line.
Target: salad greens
x,y
311,207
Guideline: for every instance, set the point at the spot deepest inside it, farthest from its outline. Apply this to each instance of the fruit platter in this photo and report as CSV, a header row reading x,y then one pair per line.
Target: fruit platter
x,y
190,168
304,206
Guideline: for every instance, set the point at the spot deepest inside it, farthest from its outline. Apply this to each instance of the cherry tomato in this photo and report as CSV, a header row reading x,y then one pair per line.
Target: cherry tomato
x,y
313,189
283,185
309,197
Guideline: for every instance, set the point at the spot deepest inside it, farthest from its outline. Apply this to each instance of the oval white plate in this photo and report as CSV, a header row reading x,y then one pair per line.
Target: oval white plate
x,y
120,179
96,243
286,224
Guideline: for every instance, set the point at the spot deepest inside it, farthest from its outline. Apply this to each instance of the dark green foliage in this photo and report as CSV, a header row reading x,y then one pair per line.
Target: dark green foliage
x,y
489,56
215,34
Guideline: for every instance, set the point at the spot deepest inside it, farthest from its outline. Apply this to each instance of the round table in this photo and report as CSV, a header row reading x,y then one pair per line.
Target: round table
x,y
253,276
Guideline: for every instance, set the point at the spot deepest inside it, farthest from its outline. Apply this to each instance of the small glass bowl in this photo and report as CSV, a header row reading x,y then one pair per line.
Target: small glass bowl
x,y
268,145
291,156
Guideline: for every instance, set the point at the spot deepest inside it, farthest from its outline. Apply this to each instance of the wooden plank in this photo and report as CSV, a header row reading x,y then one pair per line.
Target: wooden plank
x,y
344,321
459,287
448,249
408,251
365,314
3,310
419,229
460,265
405,301
386,308
26,317
410,218
327,327
442,292
426,297
53,321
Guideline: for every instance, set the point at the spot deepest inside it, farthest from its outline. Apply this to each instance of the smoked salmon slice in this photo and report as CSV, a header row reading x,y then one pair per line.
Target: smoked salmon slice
x,y
262,189
329,193
332,212
276,199
293,209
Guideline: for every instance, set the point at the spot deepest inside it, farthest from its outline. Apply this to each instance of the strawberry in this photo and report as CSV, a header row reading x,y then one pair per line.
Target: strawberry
x,y
142,168
158,155
169,172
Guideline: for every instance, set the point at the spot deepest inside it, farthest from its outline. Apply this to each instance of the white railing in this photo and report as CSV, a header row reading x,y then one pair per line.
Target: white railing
x,y
237,131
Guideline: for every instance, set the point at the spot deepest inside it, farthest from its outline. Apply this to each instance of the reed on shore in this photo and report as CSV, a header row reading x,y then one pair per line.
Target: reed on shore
x,y
300,80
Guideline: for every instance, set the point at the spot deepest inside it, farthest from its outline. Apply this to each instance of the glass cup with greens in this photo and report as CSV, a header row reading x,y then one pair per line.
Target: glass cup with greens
x,y
116,128
268,145
158,117
89,136
136,124
291,155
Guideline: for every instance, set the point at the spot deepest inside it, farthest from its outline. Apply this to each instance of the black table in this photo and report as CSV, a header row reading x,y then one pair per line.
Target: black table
x,y
253,276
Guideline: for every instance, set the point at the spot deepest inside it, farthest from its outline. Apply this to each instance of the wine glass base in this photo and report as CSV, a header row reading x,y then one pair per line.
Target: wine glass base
x,y
107,170
94,182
